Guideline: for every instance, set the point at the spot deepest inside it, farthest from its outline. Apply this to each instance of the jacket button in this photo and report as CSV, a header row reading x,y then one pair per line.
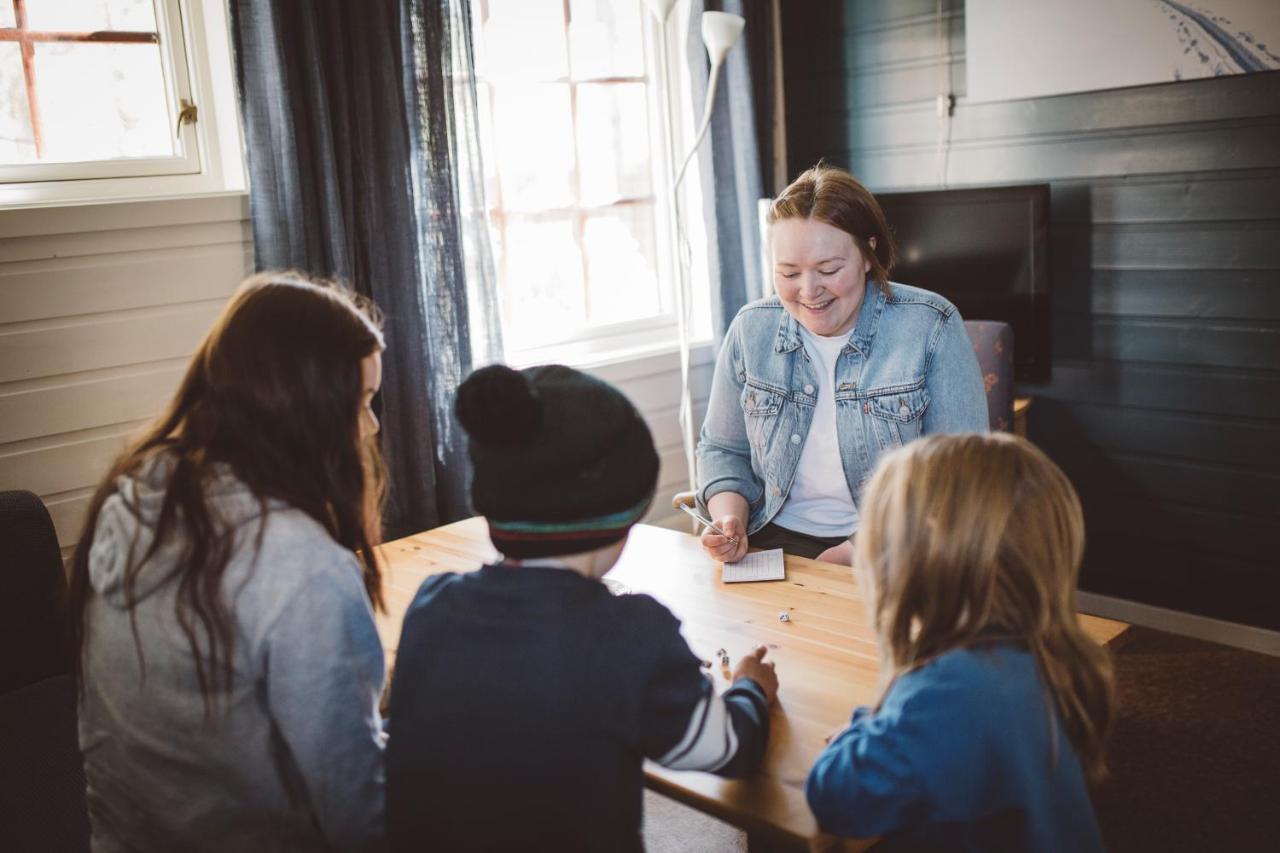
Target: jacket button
x,y
808,389
795,438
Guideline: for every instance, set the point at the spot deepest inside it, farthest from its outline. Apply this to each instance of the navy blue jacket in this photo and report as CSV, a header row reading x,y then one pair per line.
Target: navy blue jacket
x,y
524,702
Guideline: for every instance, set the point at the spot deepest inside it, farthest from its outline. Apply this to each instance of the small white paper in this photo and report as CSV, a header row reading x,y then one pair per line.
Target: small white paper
x,y
757,566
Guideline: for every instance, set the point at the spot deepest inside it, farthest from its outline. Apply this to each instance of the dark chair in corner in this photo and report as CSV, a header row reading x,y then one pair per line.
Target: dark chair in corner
x,y
42,786
993,344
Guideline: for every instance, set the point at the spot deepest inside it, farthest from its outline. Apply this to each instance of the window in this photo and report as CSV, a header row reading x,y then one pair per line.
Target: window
x,y
572,139
113,98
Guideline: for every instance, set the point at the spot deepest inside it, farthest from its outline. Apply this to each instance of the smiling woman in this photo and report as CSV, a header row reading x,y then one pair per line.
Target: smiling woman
x,y
813,385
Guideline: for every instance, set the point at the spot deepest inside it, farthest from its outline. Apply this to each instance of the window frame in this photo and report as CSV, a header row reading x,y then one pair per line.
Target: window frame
x,y
195,52
606,342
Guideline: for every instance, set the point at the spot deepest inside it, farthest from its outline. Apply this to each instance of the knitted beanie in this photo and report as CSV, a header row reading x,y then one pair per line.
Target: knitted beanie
x,y
564,463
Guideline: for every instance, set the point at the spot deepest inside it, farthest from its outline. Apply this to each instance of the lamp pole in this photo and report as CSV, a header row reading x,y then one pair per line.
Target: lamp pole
x,y
720,31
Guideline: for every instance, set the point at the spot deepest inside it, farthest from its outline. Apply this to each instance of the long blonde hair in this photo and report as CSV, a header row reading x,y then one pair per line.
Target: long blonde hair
x,y
973,537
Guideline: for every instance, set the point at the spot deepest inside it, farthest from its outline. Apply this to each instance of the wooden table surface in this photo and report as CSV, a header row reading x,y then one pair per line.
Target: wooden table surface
x,y
826,654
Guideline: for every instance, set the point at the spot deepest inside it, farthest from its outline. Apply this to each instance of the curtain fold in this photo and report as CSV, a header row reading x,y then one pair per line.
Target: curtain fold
x,y
735,164
361,133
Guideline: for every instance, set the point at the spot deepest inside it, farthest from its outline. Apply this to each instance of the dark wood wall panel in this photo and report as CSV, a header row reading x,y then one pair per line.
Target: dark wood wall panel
x,y
1206,294
1244,393
1164,407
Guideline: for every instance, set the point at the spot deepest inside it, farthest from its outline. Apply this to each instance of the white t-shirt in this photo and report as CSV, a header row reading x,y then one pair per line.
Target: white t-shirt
x,y
820,503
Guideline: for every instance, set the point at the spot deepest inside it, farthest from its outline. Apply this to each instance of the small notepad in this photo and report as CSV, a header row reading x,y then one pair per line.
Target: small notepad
x,y
757,566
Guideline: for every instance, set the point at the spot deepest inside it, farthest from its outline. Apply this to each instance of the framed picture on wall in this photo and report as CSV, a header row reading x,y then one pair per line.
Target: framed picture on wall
x,y
1034,48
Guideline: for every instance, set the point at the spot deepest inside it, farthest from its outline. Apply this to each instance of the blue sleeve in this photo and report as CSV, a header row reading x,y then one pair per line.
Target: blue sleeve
x,y
325,670
687,726
957,395
724,453
864,785
923,756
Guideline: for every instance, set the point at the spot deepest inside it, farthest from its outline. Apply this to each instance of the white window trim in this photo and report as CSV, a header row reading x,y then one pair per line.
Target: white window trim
x,y
208,80
659,333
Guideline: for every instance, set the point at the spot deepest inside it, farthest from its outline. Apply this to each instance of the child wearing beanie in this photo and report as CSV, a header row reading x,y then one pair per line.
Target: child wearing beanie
x,y
526,696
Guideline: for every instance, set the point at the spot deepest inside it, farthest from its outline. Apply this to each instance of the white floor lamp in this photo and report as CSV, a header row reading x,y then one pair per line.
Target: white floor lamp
x,y
720,31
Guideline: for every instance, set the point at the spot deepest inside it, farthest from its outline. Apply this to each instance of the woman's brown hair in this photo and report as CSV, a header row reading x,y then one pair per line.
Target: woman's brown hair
x,y
973,538
835,197
273,394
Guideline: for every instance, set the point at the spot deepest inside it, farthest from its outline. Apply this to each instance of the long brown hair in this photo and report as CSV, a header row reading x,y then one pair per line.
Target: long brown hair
x,y
274,395
834,196
969,537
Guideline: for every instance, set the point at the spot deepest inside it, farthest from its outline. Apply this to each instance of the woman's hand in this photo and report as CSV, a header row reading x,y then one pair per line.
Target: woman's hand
x,y
841,554
729,512
723,548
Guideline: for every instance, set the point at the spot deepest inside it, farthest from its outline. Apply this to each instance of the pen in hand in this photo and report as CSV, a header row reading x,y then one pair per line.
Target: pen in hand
x,y
708,524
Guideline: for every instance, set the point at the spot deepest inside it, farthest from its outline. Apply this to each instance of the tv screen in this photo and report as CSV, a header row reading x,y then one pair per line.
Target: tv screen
x,y
986,250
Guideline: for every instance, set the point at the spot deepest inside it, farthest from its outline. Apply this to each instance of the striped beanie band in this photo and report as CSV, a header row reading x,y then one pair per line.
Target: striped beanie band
x,y
529,539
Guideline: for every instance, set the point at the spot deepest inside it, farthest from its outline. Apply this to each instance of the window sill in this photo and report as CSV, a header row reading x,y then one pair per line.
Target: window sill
x,y
602,355
47,219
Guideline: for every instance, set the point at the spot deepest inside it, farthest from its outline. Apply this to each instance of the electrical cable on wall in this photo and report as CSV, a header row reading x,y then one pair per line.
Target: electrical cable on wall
x,y
946,100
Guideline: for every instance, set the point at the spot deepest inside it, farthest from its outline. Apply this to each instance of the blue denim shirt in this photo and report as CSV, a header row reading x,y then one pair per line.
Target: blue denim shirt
x,y
907,370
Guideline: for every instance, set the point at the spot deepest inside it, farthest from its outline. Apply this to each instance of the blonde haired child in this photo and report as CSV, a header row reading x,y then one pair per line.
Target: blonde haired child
x,y
997,704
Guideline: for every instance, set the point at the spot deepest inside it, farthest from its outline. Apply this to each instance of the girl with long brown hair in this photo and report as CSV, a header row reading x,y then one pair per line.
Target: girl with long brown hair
x,y
221,595
997,704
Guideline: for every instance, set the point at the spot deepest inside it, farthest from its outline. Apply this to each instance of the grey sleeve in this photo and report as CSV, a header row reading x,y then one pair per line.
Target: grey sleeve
x,y
325,669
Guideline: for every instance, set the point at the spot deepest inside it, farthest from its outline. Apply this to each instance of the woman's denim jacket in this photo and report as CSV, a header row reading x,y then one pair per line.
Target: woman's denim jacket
x,y
908,369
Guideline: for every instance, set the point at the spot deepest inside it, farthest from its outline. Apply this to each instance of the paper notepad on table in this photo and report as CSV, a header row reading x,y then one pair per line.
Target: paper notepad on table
x,y
756,566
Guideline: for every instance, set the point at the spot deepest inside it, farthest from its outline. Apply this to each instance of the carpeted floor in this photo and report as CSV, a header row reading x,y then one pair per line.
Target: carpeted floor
x,y
1195,754
670,827
1195,757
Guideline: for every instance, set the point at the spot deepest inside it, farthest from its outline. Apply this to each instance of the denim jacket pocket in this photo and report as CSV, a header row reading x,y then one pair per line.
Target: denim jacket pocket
x,y
760,406
896,417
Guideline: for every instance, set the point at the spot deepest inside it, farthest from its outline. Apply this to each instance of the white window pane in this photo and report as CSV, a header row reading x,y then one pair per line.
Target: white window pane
x,y
542,288
90,15
606,38
102,101
17,144
524,39
484,113
534,130
622,277
613,142
7,18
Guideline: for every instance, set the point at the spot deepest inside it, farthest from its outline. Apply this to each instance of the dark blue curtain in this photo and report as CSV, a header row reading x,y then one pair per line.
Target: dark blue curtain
x,y
736,160
360,125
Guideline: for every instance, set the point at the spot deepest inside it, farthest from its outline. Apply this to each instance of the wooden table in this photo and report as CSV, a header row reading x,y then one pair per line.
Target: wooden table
x,y
827,659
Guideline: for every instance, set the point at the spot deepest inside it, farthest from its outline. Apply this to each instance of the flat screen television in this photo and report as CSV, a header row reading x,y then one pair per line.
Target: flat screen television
x,y
986,250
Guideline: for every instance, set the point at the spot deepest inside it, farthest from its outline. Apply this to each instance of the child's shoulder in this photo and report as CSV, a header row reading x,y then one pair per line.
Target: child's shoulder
x,y
973,675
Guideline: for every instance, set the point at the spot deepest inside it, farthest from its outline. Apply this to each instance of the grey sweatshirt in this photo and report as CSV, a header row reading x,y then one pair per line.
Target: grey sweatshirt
x,y
291,757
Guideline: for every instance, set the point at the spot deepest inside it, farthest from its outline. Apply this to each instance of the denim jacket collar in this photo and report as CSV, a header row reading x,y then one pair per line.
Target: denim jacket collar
x,y
864,330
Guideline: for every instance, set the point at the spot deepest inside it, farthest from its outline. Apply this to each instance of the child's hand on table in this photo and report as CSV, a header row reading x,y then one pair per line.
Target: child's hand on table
x,y
759,670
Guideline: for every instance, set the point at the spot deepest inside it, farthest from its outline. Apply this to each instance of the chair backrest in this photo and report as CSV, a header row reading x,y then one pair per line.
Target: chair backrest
x,y
42,785
993,344
33,588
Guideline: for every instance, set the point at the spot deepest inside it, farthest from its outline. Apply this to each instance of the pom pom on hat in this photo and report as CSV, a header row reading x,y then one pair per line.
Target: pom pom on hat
x,y
499,406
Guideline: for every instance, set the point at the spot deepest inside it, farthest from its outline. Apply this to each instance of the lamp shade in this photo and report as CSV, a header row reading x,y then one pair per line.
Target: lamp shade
x,y
720,30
